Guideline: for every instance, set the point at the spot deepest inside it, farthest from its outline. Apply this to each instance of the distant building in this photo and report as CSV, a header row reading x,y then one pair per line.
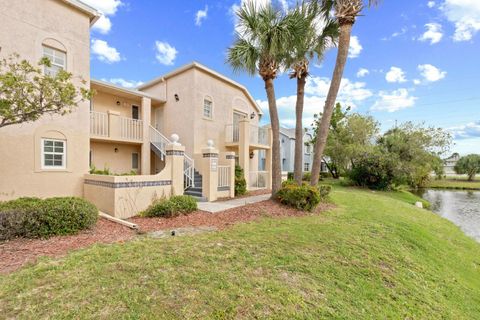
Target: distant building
x,y
450,163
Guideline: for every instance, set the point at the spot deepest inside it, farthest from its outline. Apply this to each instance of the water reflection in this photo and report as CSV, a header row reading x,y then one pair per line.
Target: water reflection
x,y
460,207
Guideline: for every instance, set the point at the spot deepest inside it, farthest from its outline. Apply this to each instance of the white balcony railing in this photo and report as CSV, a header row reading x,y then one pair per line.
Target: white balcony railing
x,y
258,135
131,129
232,133
223,176
258,179
98,124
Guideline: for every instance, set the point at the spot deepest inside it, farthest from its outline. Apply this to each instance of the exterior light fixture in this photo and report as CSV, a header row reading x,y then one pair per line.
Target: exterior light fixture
x,y
176,97
116,150
118,102
252,116
252,155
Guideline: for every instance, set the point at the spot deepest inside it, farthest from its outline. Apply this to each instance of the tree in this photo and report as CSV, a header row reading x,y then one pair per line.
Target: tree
x,y
469,165
321,34
262,45
346,12
26,93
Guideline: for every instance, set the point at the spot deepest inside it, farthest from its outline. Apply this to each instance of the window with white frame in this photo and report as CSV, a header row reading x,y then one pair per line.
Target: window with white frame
x,y
54,154
58,60
306,166
208,108
308,149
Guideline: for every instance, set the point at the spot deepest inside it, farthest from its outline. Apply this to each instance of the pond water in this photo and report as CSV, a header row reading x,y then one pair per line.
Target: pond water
x,y
460,207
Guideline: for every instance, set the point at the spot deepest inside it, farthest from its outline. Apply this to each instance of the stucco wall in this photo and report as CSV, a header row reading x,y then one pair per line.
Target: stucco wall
x,y
104,102
26,24
104,156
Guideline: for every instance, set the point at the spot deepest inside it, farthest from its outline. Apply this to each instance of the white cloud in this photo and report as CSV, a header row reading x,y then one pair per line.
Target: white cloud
x,y
394,101
433,34
200,16
470,130
104,52
166,54
362,72
417,81
355,47
106,8
431,73
124,83
395,75
465,15
431,4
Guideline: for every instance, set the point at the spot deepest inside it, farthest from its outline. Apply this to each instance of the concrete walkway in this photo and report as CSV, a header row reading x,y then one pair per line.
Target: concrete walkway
x,y
230,204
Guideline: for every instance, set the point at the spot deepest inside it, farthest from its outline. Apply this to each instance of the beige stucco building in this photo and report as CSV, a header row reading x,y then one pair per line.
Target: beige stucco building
x,y
181,132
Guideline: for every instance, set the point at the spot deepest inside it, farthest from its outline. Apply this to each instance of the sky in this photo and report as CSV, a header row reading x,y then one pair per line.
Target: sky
x,y
410,60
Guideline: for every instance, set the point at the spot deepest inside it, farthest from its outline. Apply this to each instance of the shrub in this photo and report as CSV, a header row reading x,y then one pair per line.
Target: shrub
x,y
240,182
33,217
324,190
290,176
304,197
306,176
374,171
175,206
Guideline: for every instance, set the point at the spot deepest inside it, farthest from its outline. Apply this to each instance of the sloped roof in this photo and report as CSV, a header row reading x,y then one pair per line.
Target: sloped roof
x,y
85,8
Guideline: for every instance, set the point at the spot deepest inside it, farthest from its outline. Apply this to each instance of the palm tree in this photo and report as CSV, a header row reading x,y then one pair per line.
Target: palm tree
x,y
262,47
321,35
346,12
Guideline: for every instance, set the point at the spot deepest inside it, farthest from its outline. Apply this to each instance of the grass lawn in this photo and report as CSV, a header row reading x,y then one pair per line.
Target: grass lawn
x,y
372,257
455,183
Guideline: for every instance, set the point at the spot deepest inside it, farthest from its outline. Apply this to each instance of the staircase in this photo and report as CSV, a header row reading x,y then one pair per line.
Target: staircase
x,y
196,190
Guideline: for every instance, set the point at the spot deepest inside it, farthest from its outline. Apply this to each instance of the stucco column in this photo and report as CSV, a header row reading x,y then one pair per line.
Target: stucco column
x,y
146,118
244,148
268,159
209,164
175,154
114,125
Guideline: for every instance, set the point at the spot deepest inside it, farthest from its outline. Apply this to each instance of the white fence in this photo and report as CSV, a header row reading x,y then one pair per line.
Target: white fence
x,y
258,179
98,124
131,129
223,176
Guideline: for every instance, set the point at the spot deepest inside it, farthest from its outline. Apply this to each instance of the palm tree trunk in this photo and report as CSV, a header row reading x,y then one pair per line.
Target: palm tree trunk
x,y
298,161
322,130
272,107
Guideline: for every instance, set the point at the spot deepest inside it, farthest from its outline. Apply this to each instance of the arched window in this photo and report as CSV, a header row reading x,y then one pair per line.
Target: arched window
x,y
57,53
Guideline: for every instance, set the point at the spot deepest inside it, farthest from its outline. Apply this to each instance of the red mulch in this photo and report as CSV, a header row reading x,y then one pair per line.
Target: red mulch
x,y
16,253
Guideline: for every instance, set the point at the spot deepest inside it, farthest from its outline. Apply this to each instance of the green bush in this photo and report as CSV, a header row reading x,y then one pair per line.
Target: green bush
x,y
324,190
240,182
304,197
307,176
290,176
34,218
375,171
175,206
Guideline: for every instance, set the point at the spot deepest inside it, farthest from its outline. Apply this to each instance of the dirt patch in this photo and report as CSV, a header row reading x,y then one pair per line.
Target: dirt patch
x,y
16,253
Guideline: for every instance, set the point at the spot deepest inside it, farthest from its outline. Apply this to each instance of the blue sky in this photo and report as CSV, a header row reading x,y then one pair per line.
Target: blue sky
x,y
410,60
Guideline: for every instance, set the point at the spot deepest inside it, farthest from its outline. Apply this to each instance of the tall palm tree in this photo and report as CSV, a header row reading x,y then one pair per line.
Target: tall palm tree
x,y
321,34
264,34
346,12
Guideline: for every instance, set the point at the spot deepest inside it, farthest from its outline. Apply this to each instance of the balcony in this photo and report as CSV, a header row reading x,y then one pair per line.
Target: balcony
x,y
256,137
112,126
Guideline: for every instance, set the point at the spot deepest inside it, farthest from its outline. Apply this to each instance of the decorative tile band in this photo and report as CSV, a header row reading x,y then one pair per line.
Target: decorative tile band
x,y
175,153
230,156
210,155
132,184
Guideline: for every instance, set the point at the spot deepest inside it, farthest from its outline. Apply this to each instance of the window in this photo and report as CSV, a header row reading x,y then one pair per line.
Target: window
x,y
53,154
207,108
135,112
306,166
135,161
307,148
58,60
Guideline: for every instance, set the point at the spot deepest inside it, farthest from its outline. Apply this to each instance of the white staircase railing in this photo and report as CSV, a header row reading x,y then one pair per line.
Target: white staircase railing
x,y
160,142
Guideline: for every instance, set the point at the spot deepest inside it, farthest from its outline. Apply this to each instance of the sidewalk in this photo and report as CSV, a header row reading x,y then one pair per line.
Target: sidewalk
x,y
230,204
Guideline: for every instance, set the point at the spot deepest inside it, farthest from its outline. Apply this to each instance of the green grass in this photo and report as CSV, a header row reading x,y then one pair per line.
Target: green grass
x,y
455,183
374,257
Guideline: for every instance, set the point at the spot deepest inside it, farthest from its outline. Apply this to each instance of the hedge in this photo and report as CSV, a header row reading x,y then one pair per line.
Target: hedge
x,y
175,206
302,197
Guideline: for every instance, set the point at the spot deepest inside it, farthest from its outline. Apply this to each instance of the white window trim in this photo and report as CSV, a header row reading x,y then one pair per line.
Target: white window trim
x,y
42,152
52,61
305,165
211,108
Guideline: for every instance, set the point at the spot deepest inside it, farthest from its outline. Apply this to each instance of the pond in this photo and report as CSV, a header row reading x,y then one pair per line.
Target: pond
x,y
460,207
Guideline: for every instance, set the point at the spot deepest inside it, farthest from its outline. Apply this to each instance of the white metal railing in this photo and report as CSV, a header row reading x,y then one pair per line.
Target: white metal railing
x,y
232,133
98,124
258,135
131,129
159,141
258,179
223,176
189,172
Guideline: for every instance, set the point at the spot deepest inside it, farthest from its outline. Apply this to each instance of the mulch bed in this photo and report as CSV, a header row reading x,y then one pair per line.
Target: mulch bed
x,y
258,192
16,253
